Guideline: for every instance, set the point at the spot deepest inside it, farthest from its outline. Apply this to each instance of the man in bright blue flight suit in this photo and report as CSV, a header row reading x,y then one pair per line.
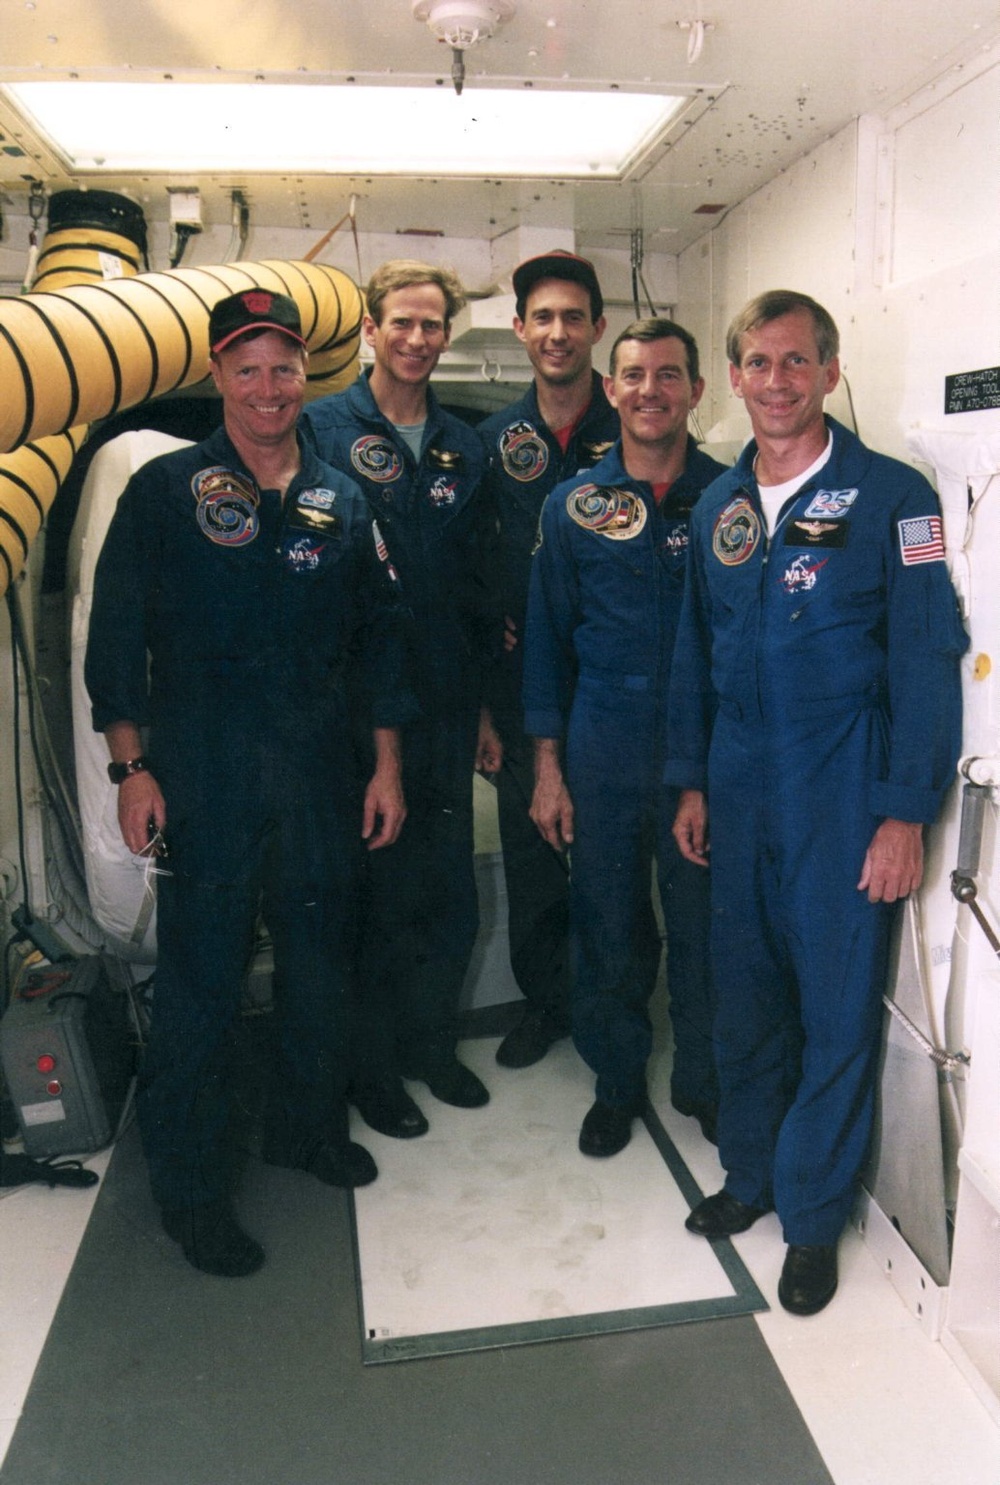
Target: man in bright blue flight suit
x,y
605,595
422,471
561,426
249,572
815,700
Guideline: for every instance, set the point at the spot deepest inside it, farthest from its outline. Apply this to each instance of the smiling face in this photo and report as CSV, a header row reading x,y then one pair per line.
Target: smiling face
x,y
558,331
410,336
262,382
782,379
651,388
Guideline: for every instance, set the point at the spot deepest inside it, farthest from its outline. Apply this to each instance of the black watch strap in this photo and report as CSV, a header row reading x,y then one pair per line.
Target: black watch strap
x,y
118,772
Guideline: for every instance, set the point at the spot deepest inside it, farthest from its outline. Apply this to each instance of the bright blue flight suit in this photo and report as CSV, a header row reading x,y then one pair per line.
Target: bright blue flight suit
x,y
251,611
606,589
526,462
422,914
815,692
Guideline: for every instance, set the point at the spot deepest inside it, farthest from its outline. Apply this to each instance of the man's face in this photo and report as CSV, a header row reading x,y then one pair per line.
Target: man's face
x,y
781,378
557,330
652,390
412,334
262,383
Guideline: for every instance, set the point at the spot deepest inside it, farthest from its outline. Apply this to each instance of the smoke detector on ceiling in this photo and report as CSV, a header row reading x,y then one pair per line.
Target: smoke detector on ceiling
x,y
461,23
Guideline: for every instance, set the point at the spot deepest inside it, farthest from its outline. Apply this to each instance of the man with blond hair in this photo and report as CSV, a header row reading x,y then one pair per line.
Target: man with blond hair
x,y
421,469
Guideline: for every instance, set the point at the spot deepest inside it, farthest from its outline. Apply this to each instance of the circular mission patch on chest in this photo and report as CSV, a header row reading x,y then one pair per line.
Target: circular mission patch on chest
x,y
375,458
227,506
618,514
523,452
737,532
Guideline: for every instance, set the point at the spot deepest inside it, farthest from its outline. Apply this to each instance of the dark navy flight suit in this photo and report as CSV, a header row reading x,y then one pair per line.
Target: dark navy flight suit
x,y
250,610
526,462
606,590
815,693
423,915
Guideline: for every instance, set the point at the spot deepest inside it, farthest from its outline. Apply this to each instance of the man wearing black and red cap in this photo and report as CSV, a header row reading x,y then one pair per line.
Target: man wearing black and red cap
x,y
248,571
561,426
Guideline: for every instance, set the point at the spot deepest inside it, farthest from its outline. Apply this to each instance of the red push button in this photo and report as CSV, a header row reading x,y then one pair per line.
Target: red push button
x,y
55,1087
46,1063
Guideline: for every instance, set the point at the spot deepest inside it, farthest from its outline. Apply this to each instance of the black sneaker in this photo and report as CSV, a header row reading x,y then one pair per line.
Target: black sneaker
x,y
605,1130
528,1041
213,1241
387,1108
453,1083
808,1278
342,1164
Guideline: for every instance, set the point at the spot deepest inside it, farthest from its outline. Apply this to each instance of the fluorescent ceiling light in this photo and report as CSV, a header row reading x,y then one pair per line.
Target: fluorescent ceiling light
x,y
113,128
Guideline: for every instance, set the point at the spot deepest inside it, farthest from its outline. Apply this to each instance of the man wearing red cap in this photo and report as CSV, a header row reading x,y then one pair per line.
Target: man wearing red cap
x,y
248,571
561,426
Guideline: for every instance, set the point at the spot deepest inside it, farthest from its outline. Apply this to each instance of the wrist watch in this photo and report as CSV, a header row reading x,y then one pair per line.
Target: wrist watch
x,y
118,772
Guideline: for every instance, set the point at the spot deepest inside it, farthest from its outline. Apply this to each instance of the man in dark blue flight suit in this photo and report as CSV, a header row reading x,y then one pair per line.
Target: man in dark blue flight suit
x,y
816,702
561,426
249,572
422,471
605,595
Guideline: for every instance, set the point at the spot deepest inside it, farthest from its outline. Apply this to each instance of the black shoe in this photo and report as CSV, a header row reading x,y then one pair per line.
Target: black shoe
x,y
388,1108
342,1164
707,1115
453,1083
808,1278
605,1130
722,1216
528,1041
213,1240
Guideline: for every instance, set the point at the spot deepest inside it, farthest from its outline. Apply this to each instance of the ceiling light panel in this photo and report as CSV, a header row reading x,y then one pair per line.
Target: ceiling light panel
x,y
348,129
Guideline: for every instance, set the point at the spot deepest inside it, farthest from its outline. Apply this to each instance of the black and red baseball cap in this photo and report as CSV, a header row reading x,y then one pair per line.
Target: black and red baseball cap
x,y
559,264
253,309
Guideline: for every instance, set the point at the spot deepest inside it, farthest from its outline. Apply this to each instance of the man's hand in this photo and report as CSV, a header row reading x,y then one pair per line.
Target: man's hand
x,y
140,804
384,806
894,862
489,748
690,828
510,640
384,811
551,805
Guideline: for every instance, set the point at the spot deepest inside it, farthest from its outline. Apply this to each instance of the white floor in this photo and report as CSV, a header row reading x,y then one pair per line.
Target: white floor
x,y
495,1219
884,1403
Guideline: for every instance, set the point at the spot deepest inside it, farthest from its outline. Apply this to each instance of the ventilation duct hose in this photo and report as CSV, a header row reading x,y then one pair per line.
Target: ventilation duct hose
x,y
77,354
92,236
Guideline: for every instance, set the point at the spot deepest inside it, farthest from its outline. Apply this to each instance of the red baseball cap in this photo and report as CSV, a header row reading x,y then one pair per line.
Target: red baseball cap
x,y
253,309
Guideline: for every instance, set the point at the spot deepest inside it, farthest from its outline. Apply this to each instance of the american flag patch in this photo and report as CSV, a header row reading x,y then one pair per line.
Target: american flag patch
x,y
383,552
920,540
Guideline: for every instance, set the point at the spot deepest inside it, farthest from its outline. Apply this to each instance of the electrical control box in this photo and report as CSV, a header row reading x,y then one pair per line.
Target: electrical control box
x,y
68,1055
